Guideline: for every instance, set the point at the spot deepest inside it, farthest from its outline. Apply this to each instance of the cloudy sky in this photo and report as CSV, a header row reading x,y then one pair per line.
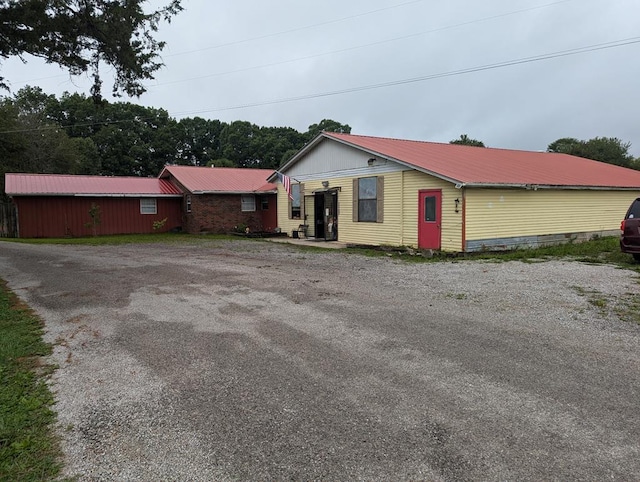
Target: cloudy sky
x,y
512,73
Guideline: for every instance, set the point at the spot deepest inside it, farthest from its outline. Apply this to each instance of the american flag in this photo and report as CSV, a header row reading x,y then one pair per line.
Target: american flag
x,y
286,182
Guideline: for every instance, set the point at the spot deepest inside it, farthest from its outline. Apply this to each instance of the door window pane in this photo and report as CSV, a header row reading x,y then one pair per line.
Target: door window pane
x,y
430,209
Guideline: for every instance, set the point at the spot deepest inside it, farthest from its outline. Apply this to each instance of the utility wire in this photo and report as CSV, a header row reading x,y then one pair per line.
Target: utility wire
x,y
424,78
508,63
262,37
357,47
236,42
297,29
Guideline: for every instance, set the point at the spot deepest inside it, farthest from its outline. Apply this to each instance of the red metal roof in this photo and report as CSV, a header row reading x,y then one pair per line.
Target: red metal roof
x,y
488,166
70,185
221,179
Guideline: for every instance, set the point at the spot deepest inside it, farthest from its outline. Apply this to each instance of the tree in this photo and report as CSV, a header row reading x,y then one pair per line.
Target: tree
x,y
237,142
80,35
327,125
605,149
31,142
198,141
465,140
221,163
565,145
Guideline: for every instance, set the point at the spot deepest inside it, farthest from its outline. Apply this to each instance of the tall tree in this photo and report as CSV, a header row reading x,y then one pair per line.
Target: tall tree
x,y
605,149
198,141
565,145
465,140
80,35
35,143
238,141
327,125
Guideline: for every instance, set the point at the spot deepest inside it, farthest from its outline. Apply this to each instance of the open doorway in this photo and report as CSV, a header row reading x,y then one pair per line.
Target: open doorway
x,y
326,215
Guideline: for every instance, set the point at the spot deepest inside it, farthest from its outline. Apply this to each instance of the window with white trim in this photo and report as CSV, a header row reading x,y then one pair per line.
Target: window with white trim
x,y
248,202
148,206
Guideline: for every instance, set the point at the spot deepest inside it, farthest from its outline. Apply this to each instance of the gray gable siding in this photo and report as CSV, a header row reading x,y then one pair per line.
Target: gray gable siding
x,y
332,159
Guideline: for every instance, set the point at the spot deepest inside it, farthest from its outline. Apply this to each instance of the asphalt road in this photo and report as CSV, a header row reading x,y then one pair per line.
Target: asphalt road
x,y
255,361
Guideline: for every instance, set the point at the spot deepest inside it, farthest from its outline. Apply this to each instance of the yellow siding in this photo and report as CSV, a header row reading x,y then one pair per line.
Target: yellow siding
x,y
385,233
451,221
284,223
400,226
309,206
502,213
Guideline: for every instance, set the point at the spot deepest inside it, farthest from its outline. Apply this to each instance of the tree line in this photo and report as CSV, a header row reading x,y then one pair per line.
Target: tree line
x,y
604,149
40,133
74,134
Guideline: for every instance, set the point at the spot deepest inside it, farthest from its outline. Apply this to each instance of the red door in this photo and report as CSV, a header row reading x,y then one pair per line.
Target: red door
x,y
429,223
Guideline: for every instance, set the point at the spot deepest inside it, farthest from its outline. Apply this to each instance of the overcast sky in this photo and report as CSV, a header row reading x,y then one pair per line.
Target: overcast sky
x,y
413,69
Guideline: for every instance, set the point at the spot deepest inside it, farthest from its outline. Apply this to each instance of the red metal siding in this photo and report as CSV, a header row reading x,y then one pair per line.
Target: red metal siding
x,y
50,217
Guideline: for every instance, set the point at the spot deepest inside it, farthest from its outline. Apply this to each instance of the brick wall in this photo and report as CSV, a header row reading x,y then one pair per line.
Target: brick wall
x,y
219,214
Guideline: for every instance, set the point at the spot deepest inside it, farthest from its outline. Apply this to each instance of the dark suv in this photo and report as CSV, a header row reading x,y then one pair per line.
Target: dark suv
x,y
630,237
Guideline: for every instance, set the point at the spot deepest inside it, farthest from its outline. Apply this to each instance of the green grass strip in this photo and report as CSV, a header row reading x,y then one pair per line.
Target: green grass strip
x,y
29,450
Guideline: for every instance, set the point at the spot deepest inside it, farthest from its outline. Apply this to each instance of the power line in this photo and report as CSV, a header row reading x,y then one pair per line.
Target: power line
x,y
260,37
347,49
508,63
297,29
358,47
424,78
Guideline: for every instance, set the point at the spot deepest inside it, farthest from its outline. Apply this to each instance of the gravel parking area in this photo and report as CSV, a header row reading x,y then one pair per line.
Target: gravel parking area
x,y
249,360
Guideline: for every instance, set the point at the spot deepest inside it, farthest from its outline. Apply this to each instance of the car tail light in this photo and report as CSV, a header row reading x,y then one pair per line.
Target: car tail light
x,y
622,225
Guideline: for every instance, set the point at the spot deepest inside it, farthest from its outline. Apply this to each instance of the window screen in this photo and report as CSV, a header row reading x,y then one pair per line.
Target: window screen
x,y
367,199
148,206
248,202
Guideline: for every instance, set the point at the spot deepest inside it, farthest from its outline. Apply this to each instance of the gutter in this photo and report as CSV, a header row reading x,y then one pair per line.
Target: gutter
x,y
275,191
94,195
535,187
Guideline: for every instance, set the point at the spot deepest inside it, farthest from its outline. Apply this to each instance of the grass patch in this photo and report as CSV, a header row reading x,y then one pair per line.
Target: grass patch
x,y
125,239
598,251
625,306
628,308
29,450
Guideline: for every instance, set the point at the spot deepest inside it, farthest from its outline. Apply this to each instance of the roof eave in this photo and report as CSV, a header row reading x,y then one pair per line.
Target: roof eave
x,y
535,187
69,194
271,191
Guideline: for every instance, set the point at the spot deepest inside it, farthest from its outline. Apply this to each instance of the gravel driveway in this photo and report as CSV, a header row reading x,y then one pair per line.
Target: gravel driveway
x,y
243,360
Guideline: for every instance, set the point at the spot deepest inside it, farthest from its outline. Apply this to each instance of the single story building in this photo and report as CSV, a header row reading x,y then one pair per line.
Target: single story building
x,y
191,199
224,199
380,191
50,205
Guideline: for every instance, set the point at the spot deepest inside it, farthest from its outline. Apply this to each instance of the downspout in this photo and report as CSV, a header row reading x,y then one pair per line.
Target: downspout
x,y
464,219
402,209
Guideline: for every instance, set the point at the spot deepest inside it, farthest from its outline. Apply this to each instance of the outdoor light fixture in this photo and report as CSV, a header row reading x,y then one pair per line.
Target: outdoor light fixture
x,y
325,184
371,161
457,201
